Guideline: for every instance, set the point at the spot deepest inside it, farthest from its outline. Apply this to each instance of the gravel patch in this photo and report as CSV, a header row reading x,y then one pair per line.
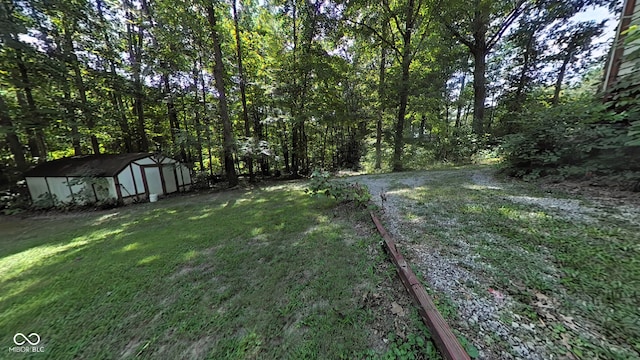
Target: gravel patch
x,y
567,208
453,269
479,308
485,180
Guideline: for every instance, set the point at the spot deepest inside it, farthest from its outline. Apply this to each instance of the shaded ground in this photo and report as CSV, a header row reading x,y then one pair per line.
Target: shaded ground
x,y
253,273
522,272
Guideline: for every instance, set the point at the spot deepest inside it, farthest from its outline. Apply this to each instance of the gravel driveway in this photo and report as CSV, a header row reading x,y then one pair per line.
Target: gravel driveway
x,y
463,283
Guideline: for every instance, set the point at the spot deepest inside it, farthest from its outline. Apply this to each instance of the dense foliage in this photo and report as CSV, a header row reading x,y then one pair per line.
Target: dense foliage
x,y
286,86
580,139
583,137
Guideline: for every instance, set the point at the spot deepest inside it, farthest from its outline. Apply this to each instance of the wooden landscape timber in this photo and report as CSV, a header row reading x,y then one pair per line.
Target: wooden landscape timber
x,y
444,338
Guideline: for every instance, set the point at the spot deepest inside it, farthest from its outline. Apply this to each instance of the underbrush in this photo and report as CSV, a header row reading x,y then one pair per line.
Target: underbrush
x,y
344,192
580,139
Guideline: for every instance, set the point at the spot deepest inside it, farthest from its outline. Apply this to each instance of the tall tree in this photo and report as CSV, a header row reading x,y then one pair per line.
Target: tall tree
x,y
115,84
381,99
577,38
219,75
409,24
7,126
68,28
13,23
135,40
243,86
479,25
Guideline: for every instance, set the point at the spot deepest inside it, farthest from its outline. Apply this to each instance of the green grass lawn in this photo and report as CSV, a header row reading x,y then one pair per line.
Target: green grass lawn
x,y
259,274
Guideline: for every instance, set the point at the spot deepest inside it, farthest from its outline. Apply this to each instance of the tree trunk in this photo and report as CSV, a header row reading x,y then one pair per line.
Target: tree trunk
x,y
218,74
116,96
209,132
172,114
447,104
259,131
243,89
460,104
31,131
116,99
402,110
324,147
70,108
522,82
404,87
198,125
12,138
72,59
37,145
285,148
186,152
134,41
207,118
71,119
479,88
561,74
383,62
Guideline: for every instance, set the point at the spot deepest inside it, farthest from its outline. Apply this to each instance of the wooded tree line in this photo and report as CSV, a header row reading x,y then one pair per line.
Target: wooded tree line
x,y
280,85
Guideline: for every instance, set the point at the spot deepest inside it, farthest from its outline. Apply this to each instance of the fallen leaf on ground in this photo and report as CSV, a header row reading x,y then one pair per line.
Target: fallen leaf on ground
x,y
496,294
568,321
396,309
565,341
542,297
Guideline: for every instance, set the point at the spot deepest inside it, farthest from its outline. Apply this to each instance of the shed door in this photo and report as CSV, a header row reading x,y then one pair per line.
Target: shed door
x,y
169,174
153,180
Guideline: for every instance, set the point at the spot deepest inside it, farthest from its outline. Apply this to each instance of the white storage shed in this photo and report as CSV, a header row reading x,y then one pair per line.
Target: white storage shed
x,y
93,178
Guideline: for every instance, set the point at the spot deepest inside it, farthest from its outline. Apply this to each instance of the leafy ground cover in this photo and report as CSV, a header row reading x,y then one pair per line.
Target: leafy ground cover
x,y
266,273
522,271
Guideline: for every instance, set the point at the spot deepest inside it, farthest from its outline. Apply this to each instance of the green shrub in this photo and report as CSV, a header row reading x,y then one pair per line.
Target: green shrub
x,y
577,139
14,201
45,201
343,192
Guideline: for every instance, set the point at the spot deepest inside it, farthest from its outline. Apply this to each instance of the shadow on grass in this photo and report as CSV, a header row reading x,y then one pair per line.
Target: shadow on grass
x,y
259,273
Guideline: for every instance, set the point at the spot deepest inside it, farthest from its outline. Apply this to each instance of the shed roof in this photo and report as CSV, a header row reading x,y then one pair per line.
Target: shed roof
x,y
86,165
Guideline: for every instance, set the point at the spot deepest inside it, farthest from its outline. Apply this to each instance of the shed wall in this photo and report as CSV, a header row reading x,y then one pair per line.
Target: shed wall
x,y
37,187
127,183
60,189
184,177
75,189
112,190
137,174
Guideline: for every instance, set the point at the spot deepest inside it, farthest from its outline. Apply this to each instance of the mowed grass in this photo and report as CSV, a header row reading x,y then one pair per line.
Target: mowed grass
x,y
583,256
260,274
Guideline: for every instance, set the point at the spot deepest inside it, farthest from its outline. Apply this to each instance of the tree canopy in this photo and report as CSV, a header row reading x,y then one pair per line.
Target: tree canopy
x,y
283,86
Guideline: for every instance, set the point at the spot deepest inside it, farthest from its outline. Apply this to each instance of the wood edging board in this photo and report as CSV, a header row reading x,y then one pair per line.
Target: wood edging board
x,y
444,338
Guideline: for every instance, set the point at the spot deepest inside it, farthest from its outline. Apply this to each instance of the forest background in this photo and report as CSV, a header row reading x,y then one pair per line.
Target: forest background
x,y
260,88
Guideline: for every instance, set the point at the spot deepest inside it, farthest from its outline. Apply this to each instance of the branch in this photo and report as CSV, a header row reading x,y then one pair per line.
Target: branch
x,y
424,33
515,13
382,38
459,36
395,17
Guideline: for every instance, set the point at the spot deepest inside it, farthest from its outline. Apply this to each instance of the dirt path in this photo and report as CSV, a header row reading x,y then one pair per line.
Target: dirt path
x,y
462,281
